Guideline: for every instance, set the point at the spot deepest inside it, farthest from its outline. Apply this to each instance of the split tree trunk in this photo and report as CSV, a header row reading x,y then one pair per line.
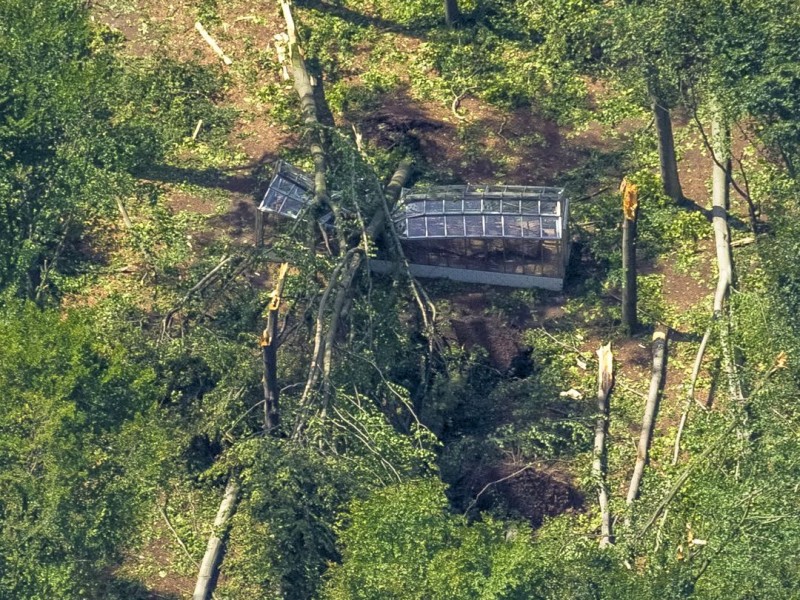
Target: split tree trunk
x,y
650,411
207,577
630,212
605,381
668,163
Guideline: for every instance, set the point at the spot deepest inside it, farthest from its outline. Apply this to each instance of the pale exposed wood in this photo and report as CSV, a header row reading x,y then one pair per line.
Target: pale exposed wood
x,y
124,213
605,381
743,242
212,43
197,129
650,411
209,566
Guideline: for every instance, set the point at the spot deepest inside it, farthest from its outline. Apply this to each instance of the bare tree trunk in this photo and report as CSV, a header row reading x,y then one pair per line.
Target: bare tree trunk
x,y
630,211
721,142
720,137
605,381
269,355
452,14
650,411
666,146
207,577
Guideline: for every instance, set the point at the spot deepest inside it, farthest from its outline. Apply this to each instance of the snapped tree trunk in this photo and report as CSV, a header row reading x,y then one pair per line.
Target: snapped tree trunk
x,y
630,212
452,14
650,411
269,355
207,577
666,147
605,381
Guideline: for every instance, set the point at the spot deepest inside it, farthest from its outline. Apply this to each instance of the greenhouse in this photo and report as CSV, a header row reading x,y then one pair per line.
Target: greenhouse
x,y
501,235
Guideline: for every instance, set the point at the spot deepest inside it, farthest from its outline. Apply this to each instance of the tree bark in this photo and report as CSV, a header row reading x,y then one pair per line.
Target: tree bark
x,y
207,577
720,199
666,148
605,381
304,85
630,211
452,14
269,355
650,411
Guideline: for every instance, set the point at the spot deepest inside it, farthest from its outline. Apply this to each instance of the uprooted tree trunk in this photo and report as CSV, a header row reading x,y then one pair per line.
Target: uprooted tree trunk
x,y
207,576
650,411
605,381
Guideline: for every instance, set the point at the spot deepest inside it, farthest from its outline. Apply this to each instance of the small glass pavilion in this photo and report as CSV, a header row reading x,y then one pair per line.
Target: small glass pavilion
x,y
509,235
502,235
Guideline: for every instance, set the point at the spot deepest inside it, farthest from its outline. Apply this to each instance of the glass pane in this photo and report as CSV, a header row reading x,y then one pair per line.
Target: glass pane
x,y
530,228
513,226
455,226
494,225
452,206
530,207
415,208
472,206
416,227
549,227
474,226
291,207
433,207
490,206
549,207
435,226
511,207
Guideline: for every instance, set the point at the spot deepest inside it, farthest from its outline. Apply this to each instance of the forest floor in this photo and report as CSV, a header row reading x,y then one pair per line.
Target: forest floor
x,y
476,143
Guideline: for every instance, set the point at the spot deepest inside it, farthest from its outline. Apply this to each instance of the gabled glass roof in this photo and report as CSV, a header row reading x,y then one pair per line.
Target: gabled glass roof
x,y
289,192
507,211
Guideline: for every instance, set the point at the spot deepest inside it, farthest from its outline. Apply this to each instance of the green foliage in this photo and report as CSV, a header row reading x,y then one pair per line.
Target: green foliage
x,y
401,542
79,451
76,122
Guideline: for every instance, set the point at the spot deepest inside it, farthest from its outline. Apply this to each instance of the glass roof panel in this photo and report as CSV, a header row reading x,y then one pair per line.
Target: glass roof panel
x,y
435,226
494,226
473,225
479,208
454,226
